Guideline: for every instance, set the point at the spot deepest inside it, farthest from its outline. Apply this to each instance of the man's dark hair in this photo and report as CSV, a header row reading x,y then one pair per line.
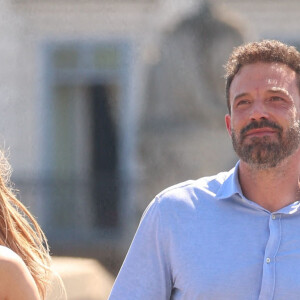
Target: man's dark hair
x,y
265,51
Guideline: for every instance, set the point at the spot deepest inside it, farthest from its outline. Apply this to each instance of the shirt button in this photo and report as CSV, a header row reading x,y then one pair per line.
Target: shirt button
x,y
273,217
268,260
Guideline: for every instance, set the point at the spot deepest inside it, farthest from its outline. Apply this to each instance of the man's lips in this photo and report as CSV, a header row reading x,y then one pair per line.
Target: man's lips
x,y
260,131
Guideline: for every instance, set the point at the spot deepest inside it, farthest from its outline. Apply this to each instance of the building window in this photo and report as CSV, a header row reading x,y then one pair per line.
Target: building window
x,y
86,85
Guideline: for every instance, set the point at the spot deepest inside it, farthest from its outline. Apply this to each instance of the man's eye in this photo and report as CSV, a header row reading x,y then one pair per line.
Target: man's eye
x,y
275,99
243,102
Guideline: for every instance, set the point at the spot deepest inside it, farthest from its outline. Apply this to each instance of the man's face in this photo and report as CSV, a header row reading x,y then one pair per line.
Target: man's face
x,y
265,111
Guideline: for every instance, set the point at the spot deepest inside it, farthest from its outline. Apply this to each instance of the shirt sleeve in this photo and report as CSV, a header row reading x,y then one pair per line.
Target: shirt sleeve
x,y
145,273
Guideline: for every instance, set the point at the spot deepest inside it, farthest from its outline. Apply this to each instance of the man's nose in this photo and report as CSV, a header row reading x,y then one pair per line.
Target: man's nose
x,y
258,112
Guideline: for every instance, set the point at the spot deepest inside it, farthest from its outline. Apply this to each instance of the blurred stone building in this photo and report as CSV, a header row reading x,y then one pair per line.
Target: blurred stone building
x,y
182,133
106,102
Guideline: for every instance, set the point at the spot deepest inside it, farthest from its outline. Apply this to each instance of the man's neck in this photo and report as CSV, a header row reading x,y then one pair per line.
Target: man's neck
x,y
272,188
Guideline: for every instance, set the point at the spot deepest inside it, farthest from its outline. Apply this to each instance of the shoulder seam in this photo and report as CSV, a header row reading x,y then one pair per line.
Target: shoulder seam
x,y
174,187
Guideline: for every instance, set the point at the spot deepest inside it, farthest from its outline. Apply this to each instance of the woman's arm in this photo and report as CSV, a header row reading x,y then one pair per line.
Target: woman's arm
x,y
16,282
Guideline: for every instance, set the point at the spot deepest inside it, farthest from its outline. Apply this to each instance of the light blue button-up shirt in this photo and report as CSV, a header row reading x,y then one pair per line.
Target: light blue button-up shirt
x,y
203,239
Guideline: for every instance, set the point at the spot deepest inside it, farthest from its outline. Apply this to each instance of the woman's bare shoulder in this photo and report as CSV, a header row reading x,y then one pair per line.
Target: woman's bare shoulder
x,y
7,254
10,261
16,281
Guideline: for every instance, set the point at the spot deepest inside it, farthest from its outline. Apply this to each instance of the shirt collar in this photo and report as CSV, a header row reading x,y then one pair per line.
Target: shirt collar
x,y
290,209
231,185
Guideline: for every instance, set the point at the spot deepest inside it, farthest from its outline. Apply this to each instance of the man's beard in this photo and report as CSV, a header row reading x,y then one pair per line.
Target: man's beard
x,y
264,152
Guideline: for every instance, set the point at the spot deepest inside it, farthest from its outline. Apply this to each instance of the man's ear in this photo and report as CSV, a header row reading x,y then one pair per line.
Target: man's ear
x,y
228,123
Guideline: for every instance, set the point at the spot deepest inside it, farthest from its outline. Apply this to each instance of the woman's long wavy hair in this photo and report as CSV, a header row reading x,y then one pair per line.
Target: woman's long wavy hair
x,y
20,232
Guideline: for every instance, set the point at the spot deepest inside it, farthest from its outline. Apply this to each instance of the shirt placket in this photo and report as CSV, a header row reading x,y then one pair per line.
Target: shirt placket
x,y
269,263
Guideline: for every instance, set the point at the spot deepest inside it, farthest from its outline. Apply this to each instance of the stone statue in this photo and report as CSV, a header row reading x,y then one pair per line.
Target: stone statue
x,y
182,135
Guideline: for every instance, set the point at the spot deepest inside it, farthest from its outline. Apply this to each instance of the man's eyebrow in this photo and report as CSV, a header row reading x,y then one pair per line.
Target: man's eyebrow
x,y
277,90
239,96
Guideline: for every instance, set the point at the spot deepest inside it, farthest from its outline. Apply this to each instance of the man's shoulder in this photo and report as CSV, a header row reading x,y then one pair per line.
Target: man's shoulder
x,y
194,190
